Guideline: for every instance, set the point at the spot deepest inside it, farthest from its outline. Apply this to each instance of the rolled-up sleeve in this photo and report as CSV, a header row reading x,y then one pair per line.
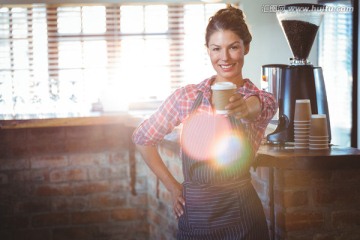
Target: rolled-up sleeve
x,y
268,106
152,130
268,103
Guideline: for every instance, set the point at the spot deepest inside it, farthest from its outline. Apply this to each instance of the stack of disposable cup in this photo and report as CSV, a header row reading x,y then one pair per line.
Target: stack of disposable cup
x,y
302,117
319,136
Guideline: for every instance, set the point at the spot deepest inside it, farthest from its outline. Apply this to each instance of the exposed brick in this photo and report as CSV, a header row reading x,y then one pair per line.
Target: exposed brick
x,y
106,201
14,164
65,204
48,161
39,175
54,190
119,157
68,175
21,176
4,179
325,236
345,195
111,172
50,219
14,222
86,159
94,187
141,184
296,178
43,234
126,230
154,218
333,235
288,199
128,214
120,186
6,234
346,219
75,233
90,217
32,206
301,220
141,199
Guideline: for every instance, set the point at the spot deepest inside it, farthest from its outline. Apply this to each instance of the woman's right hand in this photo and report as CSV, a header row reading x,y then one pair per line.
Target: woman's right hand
x,y
153,160
178,200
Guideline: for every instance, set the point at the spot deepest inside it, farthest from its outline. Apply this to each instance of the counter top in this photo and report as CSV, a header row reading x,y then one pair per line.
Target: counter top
x,y
335,157
130,118
268,155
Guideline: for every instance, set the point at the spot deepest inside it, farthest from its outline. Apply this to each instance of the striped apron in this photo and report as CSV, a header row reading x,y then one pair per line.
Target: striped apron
x,y
220,204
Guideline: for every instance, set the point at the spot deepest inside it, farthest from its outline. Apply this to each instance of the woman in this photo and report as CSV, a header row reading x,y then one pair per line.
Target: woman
x,y
214,202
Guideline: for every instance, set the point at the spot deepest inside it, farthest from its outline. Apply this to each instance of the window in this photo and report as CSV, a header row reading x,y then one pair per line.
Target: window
x,y
335,58
56,61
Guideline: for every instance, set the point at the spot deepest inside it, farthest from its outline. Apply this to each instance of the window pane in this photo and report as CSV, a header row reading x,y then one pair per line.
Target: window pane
x,y
156,18
19,23
62,59
335,48
94,19
69,20
132,19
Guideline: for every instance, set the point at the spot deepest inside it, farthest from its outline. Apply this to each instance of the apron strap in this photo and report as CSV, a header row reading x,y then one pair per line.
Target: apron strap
x,y
197,102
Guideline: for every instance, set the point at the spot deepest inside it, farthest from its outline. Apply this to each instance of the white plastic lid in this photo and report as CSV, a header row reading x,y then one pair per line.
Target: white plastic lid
x,y
318,116
302,100
223,86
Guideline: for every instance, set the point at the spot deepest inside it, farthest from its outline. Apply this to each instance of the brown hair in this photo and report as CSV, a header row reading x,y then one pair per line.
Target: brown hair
x,y
229,18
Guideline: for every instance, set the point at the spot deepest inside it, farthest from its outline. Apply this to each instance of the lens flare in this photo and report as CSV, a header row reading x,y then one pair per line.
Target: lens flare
x,y
227,150
207,137
200,133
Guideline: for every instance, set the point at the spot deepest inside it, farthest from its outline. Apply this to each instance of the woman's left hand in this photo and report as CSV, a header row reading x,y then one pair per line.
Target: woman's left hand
x,y
237,106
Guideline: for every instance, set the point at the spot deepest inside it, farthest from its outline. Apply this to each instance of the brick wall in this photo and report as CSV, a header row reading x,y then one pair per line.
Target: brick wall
x,y
71,183
162,221
312,204
90,183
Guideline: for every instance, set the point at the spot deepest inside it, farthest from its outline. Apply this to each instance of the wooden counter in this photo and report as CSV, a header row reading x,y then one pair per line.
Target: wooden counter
x,y
131,118
335,157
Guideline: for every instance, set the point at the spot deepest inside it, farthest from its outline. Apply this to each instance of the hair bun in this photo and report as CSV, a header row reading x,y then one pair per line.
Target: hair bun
x,y
232,12
229,18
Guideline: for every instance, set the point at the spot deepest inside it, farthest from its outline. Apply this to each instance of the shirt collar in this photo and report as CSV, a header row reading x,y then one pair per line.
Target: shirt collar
x,y
205,86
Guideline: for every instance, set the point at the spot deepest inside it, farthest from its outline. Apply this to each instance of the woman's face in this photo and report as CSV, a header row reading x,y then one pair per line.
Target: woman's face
x,y
226,51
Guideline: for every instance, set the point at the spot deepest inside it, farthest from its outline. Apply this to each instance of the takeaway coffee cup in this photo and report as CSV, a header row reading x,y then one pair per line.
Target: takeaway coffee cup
x,y
319,128
221,93
302,111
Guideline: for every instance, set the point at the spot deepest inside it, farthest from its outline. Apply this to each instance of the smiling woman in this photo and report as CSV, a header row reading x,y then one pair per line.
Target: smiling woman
x,y
57,60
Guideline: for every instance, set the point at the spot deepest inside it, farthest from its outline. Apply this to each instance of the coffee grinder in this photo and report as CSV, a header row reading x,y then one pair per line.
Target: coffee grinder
x,y
300,79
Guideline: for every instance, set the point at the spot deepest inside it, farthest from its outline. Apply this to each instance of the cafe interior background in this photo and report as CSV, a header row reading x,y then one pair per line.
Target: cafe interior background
x,y
76,78
100,58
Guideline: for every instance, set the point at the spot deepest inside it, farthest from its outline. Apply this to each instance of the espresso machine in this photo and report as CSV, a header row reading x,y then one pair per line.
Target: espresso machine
x,y
300,79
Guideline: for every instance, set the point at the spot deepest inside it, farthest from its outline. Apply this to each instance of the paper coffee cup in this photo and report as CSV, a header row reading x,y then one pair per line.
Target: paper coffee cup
x,y
221,93
302,111
319,126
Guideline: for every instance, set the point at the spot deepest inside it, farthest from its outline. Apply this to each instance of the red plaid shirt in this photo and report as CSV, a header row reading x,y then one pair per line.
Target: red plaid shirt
x,y
176,108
